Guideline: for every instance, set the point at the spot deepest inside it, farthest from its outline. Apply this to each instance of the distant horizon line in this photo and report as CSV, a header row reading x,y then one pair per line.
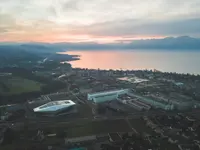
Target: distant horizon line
x,y
96,42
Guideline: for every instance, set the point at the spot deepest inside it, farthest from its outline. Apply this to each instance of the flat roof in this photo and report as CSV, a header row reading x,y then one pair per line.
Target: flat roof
x,y
157,99
180,97
133,79
54,106
139,103
108,92
81,139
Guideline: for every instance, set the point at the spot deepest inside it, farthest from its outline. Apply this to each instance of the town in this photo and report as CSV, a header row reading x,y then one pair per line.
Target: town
x,y
59,107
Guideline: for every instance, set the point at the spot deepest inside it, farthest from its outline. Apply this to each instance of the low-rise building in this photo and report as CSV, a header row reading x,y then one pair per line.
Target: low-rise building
x,y
83,139
154,102
106,95
135,103
181,102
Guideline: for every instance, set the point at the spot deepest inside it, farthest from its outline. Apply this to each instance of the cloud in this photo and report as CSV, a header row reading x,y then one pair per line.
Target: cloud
x,y
70,5
97,19
134,28
89,12
7,22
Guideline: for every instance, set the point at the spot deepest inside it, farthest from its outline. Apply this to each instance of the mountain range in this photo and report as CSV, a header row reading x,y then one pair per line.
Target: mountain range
x,y
182,43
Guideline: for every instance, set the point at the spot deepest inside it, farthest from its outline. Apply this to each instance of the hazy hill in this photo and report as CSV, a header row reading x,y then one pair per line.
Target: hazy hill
x,y
182,42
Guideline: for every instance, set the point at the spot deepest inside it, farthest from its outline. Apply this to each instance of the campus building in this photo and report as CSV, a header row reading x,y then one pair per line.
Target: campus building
x,y
154,102
106,95
56,108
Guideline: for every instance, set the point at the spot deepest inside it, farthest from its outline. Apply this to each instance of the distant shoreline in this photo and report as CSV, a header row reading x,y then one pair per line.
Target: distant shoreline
x,y
165,61
66,57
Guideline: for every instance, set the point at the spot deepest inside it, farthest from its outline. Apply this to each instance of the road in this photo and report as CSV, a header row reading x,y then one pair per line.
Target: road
x,y
133,129
82,102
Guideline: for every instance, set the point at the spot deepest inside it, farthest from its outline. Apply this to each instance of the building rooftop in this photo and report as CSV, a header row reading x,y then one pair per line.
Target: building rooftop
x,y
80,139
54,106
107,92
158,99
133,79
139,103
180,97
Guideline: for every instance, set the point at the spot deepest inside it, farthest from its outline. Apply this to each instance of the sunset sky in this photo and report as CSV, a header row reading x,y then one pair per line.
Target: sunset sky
x,y
97,20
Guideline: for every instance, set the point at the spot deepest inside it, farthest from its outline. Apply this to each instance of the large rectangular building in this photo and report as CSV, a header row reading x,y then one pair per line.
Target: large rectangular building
x,y
138,105
106,95
181,102
154,102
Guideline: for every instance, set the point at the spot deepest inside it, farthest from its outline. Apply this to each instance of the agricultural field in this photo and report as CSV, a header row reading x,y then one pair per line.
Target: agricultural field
x,y
17,85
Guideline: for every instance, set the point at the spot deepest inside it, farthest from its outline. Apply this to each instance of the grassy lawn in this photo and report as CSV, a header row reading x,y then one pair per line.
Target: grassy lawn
x,y
17,85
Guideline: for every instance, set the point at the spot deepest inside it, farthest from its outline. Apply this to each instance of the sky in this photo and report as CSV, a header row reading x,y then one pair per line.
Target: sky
x,y
102,21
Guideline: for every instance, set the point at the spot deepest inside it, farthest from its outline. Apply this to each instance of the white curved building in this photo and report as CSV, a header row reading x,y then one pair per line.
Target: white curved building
x,y
55,107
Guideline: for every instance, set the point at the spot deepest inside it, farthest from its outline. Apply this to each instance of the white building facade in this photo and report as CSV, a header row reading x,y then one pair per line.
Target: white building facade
x,y
106,95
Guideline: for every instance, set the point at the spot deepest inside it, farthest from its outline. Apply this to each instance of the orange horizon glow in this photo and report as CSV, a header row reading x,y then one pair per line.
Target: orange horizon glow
x,y
56,38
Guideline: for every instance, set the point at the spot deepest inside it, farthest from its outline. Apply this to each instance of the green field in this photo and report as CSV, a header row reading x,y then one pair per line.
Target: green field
x,y
17,85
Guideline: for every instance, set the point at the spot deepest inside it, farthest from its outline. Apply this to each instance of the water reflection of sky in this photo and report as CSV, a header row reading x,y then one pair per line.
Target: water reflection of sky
x,y
182,62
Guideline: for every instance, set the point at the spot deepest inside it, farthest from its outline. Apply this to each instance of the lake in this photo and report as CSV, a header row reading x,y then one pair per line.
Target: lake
x,y
163,60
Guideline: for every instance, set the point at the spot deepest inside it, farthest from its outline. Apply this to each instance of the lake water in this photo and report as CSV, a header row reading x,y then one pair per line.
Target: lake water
x,y
167,61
